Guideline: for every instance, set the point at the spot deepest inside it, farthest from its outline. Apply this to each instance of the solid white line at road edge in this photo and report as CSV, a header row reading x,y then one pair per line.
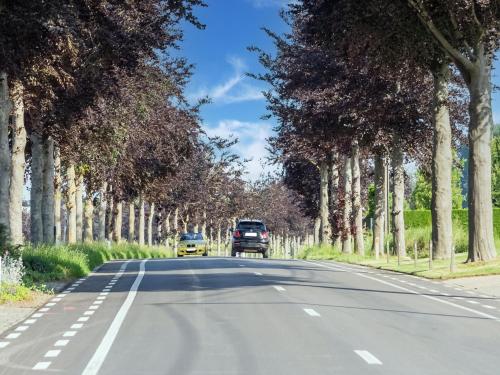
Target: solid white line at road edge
x,y
484,315
102,351
368,357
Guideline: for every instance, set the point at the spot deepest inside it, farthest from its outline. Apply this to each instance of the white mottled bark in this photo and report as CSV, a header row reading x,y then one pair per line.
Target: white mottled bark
x,y
57,195
5,108
334,198
102,211
88,222
131,222
359,244
117,222
36,193
398,197
141,220
110,215
48,205
18,166
442,163
481,240
317,230
150,223
346,215
379,214
71,203
219,239
79,208
326,230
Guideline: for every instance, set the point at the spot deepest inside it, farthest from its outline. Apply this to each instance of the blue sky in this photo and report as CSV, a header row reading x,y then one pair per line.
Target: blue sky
x,y
221,58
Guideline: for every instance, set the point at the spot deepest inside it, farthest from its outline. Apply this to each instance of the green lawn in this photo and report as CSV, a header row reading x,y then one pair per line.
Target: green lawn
x,y
440,268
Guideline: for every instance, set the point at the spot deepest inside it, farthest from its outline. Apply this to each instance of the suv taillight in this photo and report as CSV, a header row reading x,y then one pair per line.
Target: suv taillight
x,y
265,235
236,234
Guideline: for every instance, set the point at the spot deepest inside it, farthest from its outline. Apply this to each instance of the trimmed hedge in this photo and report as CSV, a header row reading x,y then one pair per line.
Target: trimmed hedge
x,y
422,218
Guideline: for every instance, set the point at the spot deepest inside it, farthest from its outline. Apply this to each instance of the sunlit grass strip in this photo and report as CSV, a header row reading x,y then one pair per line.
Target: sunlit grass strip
x,y
64,262
440,268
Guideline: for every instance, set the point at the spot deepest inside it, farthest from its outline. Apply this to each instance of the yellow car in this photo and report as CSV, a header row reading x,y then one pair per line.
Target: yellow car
x,y
192,244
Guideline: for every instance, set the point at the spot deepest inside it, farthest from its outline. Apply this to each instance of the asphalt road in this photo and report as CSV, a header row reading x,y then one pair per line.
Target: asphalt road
x,y
254,316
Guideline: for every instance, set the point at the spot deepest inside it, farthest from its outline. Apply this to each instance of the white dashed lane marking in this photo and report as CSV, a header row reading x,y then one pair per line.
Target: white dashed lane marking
x,y
42,366
52,353
368,357
258,273
4,344
312,312
61,343
279,288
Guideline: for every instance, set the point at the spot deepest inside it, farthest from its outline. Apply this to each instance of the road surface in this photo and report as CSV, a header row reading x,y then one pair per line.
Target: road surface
x,y
255,316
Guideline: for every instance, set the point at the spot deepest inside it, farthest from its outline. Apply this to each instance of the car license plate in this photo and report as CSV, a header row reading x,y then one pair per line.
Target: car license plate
x,y
250,234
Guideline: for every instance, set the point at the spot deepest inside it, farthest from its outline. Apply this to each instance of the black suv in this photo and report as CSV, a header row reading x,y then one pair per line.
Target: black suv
x,y
250,236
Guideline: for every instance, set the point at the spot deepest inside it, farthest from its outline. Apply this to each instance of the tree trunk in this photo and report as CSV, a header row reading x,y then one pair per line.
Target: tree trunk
x,y
204,224
102,212
359,245
334,199
175,224
79,208
442,162
317,230
481,240
398,197
71,203
18,166
48,213
88,227
141,220
117,222
219,239
36,189
131,222
159,228
379,214
110,215
326,230
5,108
346,216
57,195
150,223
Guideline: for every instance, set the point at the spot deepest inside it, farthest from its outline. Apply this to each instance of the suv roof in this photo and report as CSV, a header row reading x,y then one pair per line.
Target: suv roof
x,y
250,221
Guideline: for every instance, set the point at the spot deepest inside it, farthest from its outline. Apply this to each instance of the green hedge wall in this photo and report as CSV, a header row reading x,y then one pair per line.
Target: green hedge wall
x,y
422,218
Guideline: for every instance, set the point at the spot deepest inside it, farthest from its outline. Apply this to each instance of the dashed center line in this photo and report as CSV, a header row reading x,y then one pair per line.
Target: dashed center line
x,y
368,357
52,353
61,343
279,288
312,312
42,366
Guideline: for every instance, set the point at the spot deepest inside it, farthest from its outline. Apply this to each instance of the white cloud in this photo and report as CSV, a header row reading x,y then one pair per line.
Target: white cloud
x,y
235,89
270,3
252,143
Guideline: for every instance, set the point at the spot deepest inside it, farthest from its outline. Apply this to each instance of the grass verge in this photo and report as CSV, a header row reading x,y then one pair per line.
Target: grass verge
x,y
440,268
64,262
14,293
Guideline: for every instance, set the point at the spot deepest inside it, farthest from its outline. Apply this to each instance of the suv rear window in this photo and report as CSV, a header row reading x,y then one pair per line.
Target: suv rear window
x,y
249,225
